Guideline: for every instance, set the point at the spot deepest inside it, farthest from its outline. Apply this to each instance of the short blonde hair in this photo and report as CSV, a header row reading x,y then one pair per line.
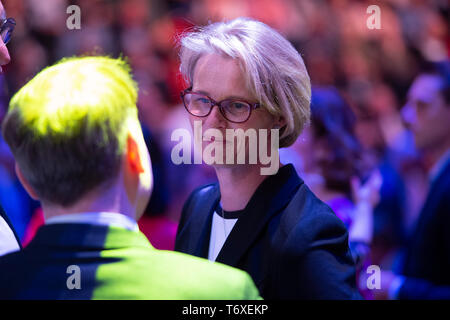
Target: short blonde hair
x,y
273,69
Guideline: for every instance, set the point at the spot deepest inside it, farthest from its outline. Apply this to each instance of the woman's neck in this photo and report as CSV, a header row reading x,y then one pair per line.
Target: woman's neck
x,y
238,184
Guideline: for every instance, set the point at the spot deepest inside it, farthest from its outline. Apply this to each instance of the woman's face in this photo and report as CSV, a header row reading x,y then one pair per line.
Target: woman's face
x,y
221,78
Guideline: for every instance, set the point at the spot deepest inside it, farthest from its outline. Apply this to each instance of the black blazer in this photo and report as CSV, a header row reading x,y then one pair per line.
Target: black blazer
x,y
427,263
289,241
8,222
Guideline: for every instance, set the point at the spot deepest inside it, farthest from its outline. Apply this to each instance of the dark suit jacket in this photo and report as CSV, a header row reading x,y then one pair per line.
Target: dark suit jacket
x,y
289,241
5,217
113,263
427,263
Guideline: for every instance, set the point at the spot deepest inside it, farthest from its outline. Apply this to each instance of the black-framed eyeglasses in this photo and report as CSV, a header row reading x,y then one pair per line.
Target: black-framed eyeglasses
x,y
200,105
6,29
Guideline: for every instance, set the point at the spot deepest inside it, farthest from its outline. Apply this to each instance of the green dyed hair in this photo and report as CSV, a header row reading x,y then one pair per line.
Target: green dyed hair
x,y
67,127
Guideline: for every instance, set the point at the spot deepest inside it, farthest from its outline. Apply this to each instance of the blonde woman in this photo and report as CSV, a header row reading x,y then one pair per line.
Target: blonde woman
x,y
243,75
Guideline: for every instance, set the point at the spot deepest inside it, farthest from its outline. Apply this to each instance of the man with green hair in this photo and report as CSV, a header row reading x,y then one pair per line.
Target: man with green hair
x,y
79,150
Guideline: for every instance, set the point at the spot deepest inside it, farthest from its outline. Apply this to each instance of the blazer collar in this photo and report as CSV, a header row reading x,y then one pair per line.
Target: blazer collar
x,y
8,222
271,195
87,236
435,193
210,197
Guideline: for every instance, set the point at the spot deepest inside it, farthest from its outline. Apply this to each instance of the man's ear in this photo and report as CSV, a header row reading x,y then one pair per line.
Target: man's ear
x,y
27,186
138,176
132,155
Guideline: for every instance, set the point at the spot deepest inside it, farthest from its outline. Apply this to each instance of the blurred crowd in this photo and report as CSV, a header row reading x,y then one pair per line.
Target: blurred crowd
x,y
371,69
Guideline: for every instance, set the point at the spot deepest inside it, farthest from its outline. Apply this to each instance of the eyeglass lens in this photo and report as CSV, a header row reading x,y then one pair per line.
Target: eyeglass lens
x,y
200,105
6,30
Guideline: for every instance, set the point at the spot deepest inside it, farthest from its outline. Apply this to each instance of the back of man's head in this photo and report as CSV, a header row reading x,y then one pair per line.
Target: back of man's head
x,y
67,127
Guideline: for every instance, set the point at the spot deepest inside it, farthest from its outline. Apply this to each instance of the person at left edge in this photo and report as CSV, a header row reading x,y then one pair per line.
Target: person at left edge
x,y
9,241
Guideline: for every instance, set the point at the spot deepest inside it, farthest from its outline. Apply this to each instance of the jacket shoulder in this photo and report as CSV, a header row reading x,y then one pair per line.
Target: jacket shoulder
x,y
214,280
308,219
314,251
161,274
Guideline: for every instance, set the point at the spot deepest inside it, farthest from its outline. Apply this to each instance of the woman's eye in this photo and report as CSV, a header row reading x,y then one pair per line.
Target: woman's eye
x,y
203,100
238,105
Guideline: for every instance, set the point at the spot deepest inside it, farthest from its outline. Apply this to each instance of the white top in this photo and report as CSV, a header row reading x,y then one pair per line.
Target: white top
x,y
220,230
8,242
98,218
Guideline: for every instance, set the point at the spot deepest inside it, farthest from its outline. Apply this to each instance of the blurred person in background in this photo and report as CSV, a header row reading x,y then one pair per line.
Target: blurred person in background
x,y
424,272
9,240
273,227
385,146
331,154
80,151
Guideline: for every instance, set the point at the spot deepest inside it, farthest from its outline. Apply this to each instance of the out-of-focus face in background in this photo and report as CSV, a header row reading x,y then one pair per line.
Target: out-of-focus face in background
x,y
4,54
427,113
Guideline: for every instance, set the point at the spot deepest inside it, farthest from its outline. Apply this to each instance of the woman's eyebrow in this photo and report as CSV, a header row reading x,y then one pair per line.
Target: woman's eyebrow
x,y
238,98
226,98
202,92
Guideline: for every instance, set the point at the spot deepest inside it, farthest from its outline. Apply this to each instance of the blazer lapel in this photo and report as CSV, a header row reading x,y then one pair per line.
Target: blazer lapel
x,y
202,222
8,222
431,201
271,196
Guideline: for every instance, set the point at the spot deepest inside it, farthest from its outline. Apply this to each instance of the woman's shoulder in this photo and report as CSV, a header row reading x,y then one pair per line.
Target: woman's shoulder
x,y
307,218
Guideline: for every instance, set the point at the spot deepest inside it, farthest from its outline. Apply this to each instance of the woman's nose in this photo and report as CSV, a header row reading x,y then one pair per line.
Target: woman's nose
x,y
215,119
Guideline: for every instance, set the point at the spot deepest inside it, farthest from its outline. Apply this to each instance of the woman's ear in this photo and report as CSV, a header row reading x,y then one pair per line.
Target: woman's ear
x,y
279,123
26,185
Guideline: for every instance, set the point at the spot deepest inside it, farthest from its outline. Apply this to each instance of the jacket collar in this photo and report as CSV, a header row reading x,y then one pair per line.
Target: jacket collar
x,y
440,167
87,236
98,218
271,195
8,222
436,192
